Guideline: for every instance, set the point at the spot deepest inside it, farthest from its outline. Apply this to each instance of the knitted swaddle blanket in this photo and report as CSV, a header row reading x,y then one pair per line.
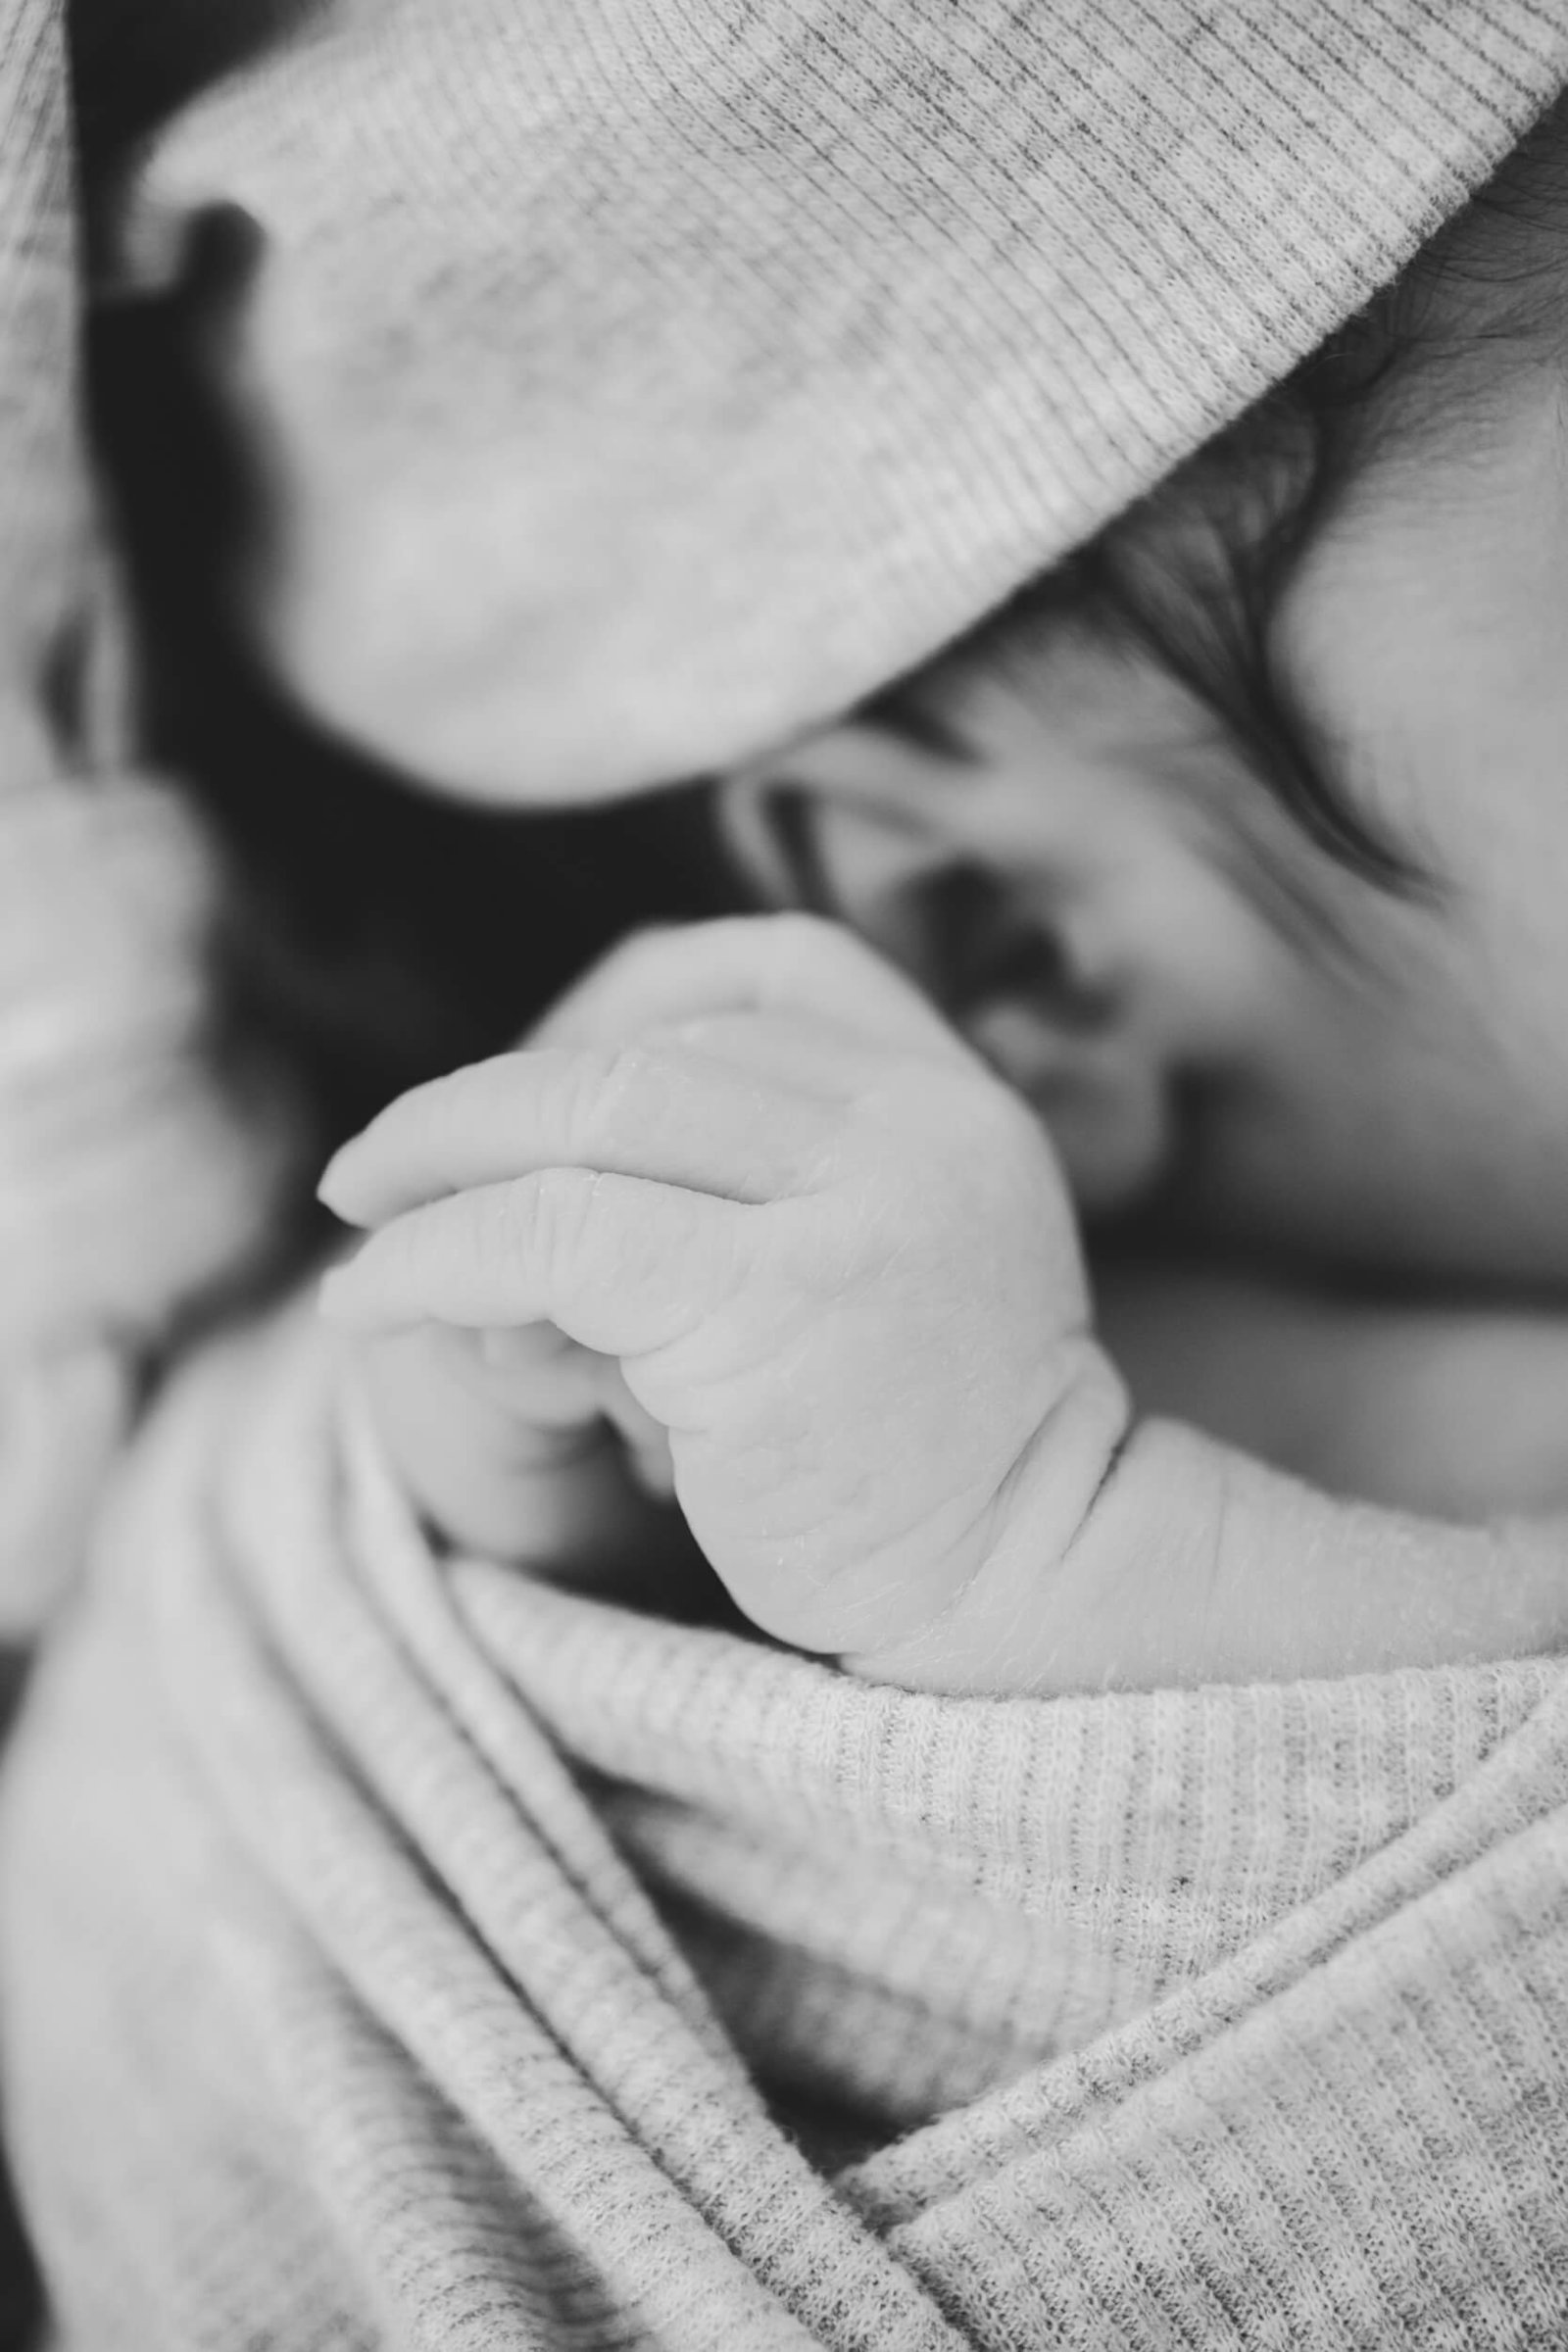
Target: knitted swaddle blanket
x,y
404,1952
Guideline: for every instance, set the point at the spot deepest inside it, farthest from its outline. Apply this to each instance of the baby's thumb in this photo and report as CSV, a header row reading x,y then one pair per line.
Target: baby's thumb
x,y
515,1354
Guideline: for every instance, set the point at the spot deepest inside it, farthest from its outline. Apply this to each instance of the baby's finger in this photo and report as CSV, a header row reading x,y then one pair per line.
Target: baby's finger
x,y
748,963
647,1441
623,1265
669,1114
544,1378
555,1382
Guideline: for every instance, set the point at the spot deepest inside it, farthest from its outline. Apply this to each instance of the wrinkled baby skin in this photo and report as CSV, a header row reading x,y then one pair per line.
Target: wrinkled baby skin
x,y
807,1248
829,1254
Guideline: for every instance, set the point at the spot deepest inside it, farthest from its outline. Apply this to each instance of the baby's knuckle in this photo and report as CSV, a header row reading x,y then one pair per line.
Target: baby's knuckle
x,y
592,1085
626,1074
545,1215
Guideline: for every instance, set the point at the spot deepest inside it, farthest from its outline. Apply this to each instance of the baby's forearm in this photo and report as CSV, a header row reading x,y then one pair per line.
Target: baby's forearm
x,y
1192,1562
1234,1571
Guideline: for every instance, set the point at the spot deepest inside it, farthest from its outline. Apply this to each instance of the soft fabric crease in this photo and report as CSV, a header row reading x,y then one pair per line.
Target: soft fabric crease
x,y
445,2011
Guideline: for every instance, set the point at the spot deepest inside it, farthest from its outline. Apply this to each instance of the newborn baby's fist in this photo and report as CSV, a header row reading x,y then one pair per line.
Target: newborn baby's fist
x,y
831,1253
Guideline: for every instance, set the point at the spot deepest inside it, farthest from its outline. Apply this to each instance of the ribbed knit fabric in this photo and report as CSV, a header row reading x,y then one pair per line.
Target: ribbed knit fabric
x,y
638,381
394,1955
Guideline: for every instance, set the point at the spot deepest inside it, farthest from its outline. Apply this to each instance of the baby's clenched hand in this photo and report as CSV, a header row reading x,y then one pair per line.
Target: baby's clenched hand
x,y
831,1254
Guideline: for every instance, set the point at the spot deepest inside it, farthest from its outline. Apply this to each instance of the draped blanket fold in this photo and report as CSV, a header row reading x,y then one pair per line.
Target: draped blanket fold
x,y
394,1948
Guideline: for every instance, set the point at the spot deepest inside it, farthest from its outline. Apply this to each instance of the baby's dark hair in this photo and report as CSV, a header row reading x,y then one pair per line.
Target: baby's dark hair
x,y
1193,576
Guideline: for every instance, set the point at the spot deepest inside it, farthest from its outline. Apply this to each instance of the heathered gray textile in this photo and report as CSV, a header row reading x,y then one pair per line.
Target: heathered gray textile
x,y
639,380
393,1953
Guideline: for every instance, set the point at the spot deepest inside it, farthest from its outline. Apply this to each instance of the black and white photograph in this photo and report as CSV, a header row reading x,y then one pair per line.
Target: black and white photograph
x,y
783,1175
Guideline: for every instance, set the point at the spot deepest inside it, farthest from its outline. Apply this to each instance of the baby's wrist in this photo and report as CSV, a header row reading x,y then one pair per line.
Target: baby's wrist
x,y
1004,1591
1244,1573
1141,1557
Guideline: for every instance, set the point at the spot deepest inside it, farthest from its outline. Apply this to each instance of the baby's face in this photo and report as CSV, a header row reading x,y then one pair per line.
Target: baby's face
x,y
1223,1026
